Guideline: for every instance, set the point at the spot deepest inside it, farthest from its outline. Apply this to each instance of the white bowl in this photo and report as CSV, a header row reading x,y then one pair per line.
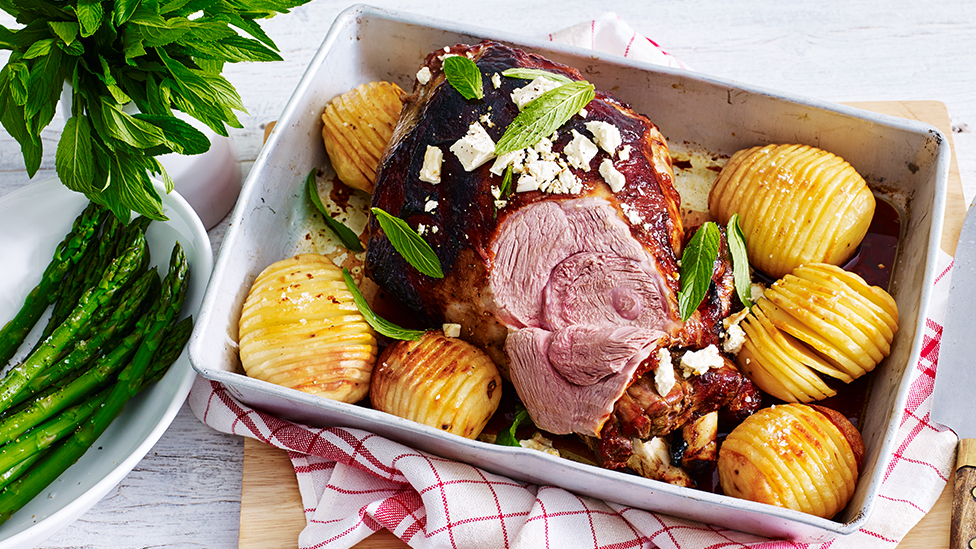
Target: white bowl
x,y
904,162
33,220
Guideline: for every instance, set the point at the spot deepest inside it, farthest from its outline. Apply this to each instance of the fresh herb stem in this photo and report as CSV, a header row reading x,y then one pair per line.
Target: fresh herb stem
x,y
378,323
697,266
545,115
345,235
409,244
464,76
740,261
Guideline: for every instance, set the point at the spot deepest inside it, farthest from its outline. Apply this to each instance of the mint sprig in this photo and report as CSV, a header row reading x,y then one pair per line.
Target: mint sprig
x,y
464,76
697,266
378,323
532,74
545,115
740,261
408,243
161,56
348,238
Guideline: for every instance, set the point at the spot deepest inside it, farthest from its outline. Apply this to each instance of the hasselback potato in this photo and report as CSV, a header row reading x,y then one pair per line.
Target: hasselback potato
x,y
797,204
357,127
817,320
440,381
796,456
300,329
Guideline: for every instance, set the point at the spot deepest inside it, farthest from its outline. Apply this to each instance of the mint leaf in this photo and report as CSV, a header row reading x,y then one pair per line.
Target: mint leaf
x,y
532,74
128,129
378,323
73,160
182,137
740,261
506,436
697,266
409,244
90,15
67,31
348,238
464,76
544,116
123,10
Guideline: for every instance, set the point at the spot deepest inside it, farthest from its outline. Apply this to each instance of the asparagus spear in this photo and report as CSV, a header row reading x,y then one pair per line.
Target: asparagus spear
x,y
119,272
170,350
68,252
27,486
49,432
108,364
85,273
14,472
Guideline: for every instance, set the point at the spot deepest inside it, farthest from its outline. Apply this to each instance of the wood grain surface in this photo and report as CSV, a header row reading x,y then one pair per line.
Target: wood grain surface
x,y
272,514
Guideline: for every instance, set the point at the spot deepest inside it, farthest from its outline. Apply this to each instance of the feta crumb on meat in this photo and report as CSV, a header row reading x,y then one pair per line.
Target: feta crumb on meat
x,y
530,92
580,151
735,336
540,443
430,172
475,148
423,75
496,80
664,379
614,178
699,362
606,135
451,329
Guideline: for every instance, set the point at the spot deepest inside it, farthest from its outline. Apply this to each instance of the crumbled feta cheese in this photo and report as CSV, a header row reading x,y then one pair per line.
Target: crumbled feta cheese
x,y
735,336
423,75
486,120
583,113
543,170
496,80
615,179
624,153
499,204
607,135
756,290
451,330
526,182
699,362
514,158
540,443
531,91
431,170
475,148
430,206
664,379
421,229
580,151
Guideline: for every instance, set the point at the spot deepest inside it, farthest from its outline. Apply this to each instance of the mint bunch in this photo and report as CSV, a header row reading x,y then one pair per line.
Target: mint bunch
x,y
161,55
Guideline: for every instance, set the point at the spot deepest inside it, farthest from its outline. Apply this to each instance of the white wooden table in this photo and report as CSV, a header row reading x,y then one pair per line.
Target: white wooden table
x,y
186,492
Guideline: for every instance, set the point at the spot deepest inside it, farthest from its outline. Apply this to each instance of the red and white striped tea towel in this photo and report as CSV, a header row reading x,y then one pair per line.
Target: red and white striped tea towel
x,y
354,483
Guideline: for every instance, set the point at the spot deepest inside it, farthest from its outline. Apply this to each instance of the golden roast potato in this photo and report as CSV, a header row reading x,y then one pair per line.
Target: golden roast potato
x,y
819,320
300,329
357,127
797,204
795,456
440,381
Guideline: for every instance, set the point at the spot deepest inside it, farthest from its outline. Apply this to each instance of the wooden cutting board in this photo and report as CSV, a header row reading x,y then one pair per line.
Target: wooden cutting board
x,y
271,507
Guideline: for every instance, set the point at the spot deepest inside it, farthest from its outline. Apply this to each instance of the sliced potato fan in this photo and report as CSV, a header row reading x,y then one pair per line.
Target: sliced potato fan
x,y
795,456
440,381
300,329
817,321
797,204
357,127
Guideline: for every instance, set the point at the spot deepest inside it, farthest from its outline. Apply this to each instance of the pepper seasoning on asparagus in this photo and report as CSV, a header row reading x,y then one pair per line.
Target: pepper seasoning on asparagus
x,y
162,328
67,254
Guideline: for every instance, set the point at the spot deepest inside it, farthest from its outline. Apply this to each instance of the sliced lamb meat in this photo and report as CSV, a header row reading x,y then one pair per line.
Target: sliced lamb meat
x,y
567,288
